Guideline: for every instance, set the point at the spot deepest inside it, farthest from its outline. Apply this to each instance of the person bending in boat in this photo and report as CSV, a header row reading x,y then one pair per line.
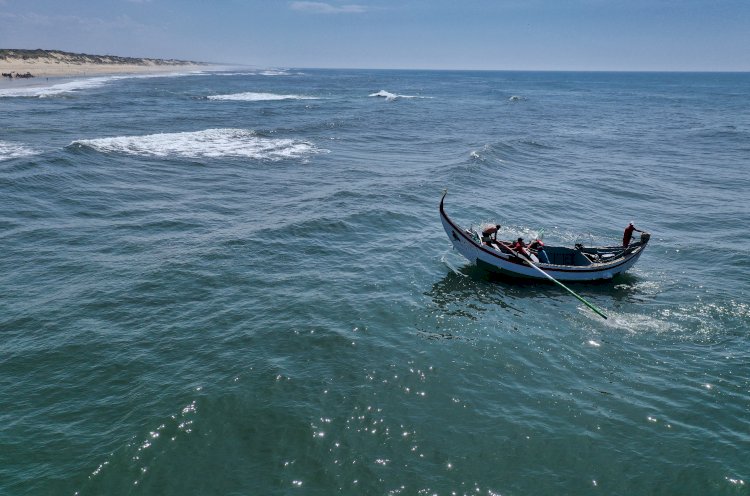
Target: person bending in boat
x,y
628,234
539,247
489,234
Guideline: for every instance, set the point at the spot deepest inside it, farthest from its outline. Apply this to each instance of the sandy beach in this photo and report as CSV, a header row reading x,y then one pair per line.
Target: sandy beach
x,y
43,63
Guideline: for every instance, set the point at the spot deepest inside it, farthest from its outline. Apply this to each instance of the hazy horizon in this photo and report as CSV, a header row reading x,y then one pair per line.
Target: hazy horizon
x,y
536,35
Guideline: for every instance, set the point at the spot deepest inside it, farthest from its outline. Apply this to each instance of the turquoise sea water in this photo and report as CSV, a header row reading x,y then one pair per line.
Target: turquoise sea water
x,y
236,283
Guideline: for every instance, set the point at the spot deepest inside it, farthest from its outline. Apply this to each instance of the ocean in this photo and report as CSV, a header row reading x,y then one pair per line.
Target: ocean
x,y
236,283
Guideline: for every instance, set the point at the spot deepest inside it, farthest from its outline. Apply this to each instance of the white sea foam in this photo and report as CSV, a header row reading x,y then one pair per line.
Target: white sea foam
x,y
275,72
265,72
210,143
392,96
40,90
259,97
384,94
160,75
14,150
633,322
232,74
55,89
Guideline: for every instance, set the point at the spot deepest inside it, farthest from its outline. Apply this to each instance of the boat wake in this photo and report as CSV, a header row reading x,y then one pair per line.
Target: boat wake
x,y
210,143
633,323
691,322
452,267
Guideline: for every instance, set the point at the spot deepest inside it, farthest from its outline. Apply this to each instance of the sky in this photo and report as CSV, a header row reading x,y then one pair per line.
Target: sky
x,y
588,35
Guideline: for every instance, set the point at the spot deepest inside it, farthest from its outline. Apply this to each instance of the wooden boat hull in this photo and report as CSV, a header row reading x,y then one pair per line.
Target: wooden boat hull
x,y
507,264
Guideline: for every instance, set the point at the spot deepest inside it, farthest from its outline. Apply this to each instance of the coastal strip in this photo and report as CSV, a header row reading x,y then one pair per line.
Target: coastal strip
x,y
17,63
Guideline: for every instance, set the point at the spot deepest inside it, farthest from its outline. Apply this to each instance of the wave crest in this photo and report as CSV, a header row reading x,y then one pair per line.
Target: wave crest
x,y
259,97
55,89
45,91
389,97
210,143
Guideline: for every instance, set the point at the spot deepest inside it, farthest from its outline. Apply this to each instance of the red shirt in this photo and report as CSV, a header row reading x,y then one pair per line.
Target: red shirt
x,y
627,234
537,244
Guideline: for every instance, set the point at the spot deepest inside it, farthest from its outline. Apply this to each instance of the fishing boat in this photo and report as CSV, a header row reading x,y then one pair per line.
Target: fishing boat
x,y
579,263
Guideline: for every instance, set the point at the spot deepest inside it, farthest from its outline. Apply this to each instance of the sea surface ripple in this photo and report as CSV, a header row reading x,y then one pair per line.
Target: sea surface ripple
x,y
237,283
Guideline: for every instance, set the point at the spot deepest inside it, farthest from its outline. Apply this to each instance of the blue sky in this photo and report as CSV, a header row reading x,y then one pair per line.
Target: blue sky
x,y
690,35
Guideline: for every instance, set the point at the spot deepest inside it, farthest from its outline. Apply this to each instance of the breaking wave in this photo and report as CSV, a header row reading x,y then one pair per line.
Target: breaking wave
x,y
259,97
389,97
14,150
55,89
210,143
42,91
275,72
264,72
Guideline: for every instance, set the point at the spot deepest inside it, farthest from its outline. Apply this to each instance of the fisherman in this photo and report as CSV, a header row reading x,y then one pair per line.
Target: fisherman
x,y
628,234
520,247
489,234
539,247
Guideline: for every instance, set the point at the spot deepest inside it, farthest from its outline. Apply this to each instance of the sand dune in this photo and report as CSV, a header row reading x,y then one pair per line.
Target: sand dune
x,y
41,63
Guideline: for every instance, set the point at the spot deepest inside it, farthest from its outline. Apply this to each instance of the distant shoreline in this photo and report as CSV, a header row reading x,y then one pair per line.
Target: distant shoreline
x,y
18,64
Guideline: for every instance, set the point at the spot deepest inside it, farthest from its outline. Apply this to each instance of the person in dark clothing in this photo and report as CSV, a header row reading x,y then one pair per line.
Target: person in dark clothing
x,y
628,234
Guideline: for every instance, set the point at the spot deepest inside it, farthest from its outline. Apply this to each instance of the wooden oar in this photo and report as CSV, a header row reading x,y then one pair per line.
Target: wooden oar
x,y
592,307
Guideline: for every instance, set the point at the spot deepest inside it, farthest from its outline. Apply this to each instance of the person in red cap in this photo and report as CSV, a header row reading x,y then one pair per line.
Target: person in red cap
x,y
628,234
